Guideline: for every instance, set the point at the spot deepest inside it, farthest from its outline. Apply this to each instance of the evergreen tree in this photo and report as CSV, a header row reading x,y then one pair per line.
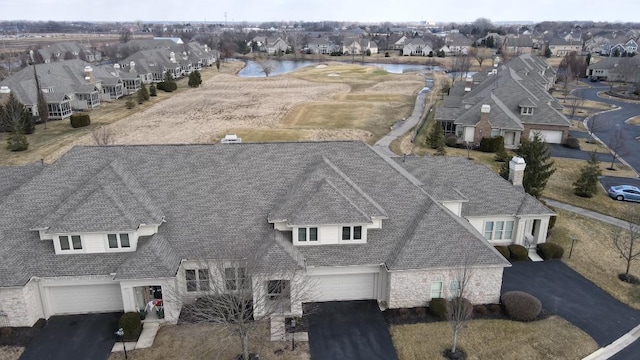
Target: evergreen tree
x,y
144,91
218,63
490,42
587,60
539,166
436,136
17,141
501,153
130,104
587,184
195,79
140,96
15,113
152,90
547,53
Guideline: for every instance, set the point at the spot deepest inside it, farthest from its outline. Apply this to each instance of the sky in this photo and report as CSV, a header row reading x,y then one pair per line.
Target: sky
x,y
371,11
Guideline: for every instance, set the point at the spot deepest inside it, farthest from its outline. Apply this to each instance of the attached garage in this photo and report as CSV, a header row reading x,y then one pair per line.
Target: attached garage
x,y
338,287
548,136
82,299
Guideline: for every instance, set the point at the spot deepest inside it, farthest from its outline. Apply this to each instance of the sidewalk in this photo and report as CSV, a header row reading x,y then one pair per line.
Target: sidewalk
x,y
616,346
588,213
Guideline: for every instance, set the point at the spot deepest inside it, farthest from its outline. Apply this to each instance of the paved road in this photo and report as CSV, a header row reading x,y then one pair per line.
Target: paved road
x,y
74,337
617,118
566,293
558,150
349,330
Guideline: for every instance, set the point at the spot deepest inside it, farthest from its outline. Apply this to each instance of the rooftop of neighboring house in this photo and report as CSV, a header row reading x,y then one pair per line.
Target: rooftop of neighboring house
x,y
609,63
522,82
558,41
519,41
218,200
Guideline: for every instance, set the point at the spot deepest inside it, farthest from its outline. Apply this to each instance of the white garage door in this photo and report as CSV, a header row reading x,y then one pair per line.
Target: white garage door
x,y
343,287
548,136
84,298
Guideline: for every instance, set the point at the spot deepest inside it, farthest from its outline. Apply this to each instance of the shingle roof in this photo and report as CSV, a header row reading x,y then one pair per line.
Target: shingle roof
x,y
13,177
216,200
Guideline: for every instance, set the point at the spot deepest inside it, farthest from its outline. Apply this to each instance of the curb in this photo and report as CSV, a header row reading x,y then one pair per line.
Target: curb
x,y
616,346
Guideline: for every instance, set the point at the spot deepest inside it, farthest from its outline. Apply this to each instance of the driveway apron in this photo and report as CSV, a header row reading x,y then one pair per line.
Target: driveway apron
x,y
568,294
349,330
74,337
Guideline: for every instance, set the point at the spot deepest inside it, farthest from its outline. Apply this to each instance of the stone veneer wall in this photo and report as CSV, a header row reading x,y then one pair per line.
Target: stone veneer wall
x,y
20,306
413,288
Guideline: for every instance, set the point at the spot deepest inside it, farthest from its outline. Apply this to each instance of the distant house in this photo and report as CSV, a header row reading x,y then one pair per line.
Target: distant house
x,y
67,85
458,44
561,47
519,44
615,69
416,47
513,102
276,46
321,45
68,50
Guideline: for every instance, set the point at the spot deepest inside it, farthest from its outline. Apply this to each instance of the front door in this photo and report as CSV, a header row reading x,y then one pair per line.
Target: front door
x,y
509,138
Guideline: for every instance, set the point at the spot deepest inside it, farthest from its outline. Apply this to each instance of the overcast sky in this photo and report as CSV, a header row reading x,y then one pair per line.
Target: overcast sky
x,y
317,10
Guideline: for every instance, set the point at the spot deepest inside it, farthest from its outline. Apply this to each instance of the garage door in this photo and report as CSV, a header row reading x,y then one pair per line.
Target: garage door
x,y
343,287
84,299
548,136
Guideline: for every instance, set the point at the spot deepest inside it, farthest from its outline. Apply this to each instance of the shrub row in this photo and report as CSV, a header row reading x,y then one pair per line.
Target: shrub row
x,y
167,86
521,306
491,144
572,143
438,308
451,140
549,251
80,120
504,251
513,252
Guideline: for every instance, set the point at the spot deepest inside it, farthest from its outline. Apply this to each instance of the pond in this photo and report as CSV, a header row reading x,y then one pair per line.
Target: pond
x,y
253,69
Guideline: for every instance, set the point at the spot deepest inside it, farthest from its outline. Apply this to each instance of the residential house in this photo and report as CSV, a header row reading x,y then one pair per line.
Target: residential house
x,y
561,47
400,43
417,47
321,45
518,44
66,85
356,46
614,68
458,44
106,228
68,50
513,102
276,46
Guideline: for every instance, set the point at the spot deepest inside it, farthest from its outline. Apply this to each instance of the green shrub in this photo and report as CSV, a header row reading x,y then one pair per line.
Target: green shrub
x,y
130,104
152,90
438,308
521,306
131,324
451,140
550,251
552,222
17,141
491,144
504,251
572,143
518,252
80,120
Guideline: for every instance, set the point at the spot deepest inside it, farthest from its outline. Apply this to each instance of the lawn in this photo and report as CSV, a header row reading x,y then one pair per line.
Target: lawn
x,y
10,352
551,338
186,342
594,256
634,120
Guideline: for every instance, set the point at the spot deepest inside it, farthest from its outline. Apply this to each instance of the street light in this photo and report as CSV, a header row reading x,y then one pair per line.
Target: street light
x,y
120,333
573,240
293,334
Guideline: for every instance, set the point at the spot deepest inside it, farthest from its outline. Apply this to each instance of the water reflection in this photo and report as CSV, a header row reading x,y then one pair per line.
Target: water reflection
x,y
253,69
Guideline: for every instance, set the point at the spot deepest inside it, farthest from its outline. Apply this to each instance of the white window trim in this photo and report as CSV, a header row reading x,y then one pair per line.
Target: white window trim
x,y
493,223
351,240
118,242
454,288
70,239
196,280
307,240
526,110
431,289
237,280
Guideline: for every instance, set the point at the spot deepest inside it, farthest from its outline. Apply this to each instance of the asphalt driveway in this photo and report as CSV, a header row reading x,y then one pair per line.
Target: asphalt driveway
x,y
74,337
349,330
566,293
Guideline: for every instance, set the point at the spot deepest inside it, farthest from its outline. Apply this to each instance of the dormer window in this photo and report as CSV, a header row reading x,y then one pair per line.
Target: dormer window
x,y
352,233
308,234
118,241
70,243
525,110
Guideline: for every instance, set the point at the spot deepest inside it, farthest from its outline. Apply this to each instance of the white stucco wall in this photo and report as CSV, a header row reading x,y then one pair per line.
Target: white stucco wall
x,y
413,288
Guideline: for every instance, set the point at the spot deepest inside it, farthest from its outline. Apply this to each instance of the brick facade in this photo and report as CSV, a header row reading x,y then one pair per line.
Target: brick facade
x,y
20,306
413,288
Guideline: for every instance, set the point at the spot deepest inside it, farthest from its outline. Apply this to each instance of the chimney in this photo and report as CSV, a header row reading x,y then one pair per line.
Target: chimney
x,y
172,57
468,83
132,66
484,113
88,74
5,90
516,170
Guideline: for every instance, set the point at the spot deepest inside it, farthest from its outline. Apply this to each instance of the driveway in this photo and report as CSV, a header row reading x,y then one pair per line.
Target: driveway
x,y
561,151
566,293
74,337
349,330
617,118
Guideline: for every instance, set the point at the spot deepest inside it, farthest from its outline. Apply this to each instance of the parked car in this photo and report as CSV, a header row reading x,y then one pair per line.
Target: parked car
x,y
624,192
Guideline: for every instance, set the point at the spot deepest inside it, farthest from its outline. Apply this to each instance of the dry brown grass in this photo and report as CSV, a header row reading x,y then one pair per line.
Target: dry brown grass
x,y
10,352
594,255
194,342
634,120
552,338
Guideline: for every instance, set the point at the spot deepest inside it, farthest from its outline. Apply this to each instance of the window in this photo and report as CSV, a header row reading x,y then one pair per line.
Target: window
x,y
346,233
235,279
308,234
302,234
436,289
118,241
197,280
74,244
526,110
495,133
277,289
357,232
498,230
454,288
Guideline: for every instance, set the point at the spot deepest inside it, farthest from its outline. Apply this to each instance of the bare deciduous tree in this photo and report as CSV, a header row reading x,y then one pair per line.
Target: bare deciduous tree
x,y
617,144
480,54
624,241
102,136
241,292
267,66
596,123
459,308
573,103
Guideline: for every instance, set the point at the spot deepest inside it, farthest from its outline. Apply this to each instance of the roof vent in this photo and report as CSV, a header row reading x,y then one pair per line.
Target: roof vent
x,y
230,139
486,108
5,90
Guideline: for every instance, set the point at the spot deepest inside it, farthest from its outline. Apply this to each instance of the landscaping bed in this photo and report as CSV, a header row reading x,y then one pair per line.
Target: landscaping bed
x,y
20,336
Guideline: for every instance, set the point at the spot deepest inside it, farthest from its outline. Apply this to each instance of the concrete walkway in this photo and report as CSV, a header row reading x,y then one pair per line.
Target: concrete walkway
x,y
588,213
616,346
148,334
382,145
